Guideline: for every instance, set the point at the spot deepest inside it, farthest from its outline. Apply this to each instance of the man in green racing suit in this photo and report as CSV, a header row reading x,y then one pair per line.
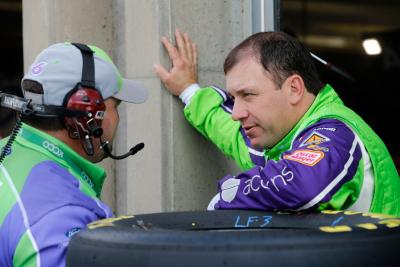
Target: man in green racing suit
x,y
298,145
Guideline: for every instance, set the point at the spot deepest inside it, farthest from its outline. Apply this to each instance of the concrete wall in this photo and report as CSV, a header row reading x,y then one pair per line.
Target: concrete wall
x,y
178,169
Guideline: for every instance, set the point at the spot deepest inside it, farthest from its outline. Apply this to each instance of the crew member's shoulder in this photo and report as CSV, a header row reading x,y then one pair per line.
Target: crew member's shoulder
x,y
50,186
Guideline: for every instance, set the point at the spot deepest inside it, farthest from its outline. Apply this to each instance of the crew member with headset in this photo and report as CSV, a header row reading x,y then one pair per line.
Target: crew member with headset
x,y
49,184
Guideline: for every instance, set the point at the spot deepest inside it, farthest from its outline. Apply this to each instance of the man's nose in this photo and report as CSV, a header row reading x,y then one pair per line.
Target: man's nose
x,y
239,111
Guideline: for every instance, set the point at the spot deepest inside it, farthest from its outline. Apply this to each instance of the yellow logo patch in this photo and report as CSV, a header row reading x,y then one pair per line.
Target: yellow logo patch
x,y
315,139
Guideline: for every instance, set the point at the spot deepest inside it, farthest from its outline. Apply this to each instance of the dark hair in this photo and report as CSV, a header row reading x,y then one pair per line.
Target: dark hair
x,y
47,124
280,54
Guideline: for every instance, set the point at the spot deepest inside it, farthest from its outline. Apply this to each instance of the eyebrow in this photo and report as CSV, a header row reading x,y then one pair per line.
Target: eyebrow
x,y
240,91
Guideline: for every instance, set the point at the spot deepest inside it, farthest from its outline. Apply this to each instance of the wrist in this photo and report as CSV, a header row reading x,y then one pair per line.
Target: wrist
x,y
188,93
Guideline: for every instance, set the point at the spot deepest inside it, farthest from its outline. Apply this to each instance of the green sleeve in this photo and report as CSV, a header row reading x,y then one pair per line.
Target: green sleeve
x,y
25,254
204,112
348,193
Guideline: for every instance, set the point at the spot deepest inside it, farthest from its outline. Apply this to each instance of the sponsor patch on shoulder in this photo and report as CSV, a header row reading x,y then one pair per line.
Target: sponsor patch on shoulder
x,y
326,129
314,139
317,147
306,157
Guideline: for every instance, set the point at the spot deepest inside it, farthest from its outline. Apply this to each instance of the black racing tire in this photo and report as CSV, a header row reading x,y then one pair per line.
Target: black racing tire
x,y
239,238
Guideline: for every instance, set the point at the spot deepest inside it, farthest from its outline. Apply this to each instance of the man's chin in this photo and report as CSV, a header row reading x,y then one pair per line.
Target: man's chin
x,y
257,144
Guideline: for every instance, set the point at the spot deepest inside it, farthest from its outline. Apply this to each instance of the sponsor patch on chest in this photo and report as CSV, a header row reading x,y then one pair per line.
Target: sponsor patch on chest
x,y
314,138
319,148
306,157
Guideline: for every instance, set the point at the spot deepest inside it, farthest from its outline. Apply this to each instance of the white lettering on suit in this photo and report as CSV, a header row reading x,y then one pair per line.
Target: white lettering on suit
x,y
255,183
53,148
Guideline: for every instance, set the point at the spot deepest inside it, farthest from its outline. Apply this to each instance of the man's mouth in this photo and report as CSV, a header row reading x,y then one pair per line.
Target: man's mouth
x,y
249,130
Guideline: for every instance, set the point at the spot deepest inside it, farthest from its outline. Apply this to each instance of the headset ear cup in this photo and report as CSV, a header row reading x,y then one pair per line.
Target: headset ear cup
x,y
69,122
89,101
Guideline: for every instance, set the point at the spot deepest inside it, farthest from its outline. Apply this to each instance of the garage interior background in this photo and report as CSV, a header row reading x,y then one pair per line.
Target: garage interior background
x,y
335,30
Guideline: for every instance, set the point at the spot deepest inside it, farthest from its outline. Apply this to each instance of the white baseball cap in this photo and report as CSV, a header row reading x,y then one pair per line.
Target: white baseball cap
x,y
58,69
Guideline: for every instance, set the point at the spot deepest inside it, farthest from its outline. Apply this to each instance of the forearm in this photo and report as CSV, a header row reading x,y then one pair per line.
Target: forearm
x,y
208,113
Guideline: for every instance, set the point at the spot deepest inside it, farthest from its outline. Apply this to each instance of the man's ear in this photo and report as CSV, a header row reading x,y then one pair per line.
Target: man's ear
x,y
295,88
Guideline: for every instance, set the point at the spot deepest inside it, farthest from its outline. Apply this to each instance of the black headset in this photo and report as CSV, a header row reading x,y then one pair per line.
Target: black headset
x,y
86,99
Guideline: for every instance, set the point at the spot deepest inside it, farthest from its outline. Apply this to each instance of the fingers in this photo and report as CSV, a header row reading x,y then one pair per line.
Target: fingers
x,y
180,44
161,72
183,55
184,49
188,45
194,60
171,49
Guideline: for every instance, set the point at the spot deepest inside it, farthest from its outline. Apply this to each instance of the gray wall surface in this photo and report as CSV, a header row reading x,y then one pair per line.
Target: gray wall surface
x,y
178,169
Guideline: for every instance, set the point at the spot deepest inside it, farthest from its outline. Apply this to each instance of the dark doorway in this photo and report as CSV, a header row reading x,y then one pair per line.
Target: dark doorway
x,y
11,51
334,30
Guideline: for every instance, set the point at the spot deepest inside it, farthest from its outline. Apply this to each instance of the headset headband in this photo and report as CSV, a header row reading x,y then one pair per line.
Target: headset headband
x,y
88,70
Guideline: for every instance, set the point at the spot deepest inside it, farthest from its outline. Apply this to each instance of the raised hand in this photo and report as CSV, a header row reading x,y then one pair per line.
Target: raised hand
x,y
183,57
